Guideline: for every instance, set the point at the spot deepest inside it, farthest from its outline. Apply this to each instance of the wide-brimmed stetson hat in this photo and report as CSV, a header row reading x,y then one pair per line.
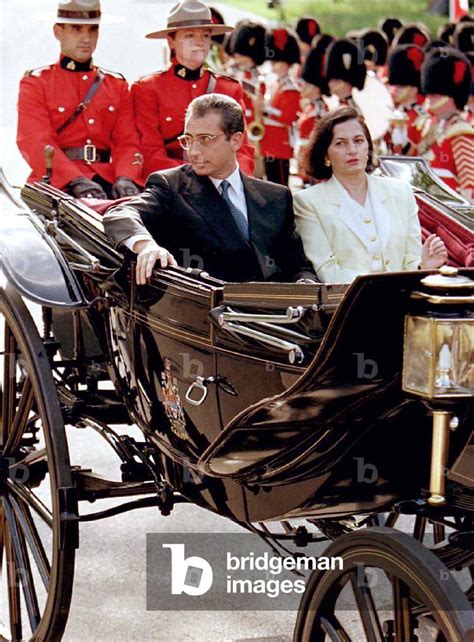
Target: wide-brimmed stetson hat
x,y
78,12
190,14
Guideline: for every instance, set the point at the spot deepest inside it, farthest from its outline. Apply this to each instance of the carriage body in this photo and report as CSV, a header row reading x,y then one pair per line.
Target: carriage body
x,y
258,401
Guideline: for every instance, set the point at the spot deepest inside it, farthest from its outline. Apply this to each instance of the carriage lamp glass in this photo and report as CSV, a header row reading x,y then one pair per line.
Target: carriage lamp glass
x,y
438,358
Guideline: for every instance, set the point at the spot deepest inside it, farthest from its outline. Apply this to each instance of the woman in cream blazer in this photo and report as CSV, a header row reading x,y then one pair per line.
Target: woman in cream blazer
x,y
355,223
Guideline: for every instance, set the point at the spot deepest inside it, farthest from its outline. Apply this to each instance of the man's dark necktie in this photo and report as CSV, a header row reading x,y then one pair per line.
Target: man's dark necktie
x,y
239,216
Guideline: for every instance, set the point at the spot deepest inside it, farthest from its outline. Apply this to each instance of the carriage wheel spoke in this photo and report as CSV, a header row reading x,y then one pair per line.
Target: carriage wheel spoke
x,y
9,383
34,502
334,629
404,621
20,419
30,532
14,605
420,528
366,606
439,533
24,567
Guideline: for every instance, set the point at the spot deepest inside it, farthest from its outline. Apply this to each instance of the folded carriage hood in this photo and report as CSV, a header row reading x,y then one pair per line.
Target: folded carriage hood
x,y
30,259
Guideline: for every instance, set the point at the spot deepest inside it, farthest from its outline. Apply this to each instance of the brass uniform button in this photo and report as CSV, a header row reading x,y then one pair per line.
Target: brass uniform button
x,y
111,108
91,121
61,109
367,220
373,238
168,119
194,86
376,257
85,77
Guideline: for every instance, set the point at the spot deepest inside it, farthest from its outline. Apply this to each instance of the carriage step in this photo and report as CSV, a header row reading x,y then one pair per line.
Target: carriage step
x,y
91,486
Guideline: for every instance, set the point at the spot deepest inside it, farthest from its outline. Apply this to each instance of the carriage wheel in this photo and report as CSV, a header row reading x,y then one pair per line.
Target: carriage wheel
x,y
391,589
38,532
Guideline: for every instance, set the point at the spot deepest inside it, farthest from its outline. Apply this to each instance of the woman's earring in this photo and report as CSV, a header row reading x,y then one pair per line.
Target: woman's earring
x,y
327,162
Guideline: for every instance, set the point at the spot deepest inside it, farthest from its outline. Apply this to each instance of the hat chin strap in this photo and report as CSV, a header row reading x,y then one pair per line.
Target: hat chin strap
x,y
438,103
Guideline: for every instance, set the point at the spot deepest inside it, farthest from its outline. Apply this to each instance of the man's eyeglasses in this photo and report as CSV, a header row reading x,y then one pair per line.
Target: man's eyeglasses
x,y
203,140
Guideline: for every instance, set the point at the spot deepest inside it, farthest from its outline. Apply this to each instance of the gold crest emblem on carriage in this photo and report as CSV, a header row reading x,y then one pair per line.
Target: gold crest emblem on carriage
x,y
172,402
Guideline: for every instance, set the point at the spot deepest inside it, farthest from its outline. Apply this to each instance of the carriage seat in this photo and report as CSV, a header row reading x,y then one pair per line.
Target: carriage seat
x,y
458,239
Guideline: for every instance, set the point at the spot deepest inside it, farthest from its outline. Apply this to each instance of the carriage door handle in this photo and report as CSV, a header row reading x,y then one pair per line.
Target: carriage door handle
x,y
202,384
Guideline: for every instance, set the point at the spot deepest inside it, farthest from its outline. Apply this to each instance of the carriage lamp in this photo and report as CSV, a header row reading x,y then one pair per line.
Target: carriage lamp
x,y
438,360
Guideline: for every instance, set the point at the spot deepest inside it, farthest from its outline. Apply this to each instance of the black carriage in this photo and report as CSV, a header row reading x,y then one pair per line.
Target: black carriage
x,y
257,401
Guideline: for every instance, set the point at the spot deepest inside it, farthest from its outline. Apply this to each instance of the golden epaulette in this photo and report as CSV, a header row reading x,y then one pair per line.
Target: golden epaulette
x,y
115,74
37,72
459,128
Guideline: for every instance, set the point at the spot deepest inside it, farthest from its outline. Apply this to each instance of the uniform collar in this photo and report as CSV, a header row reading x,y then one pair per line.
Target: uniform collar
x,y
187,74
73,65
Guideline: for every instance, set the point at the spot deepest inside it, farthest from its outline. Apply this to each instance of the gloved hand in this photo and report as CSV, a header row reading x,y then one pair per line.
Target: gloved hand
x,y
124,186
85,188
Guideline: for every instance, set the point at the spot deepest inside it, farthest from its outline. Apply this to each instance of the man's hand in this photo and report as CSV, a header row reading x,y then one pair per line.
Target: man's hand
x,y
148,253
124,186
85,188
433,253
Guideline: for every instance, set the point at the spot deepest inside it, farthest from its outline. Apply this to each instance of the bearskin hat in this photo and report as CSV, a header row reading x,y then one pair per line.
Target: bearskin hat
x,y
404,65
447,72
282,45
345,61
375,46
306,28
412,34
217,19
445,32
248,39
463,37
390,26
313,68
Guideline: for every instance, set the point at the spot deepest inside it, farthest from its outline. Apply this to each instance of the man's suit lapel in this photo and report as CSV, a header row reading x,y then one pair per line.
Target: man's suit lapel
x,y
202,196
255,204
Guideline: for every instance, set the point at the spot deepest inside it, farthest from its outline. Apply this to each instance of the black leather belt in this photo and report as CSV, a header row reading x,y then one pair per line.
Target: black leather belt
x,y
88,153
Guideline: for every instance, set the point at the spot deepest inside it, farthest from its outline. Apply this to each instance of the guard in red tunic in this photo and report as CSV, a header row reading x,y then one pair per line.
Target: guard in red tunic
x,y
448,140
83,111
345,69
409,116
313,86
161,98
281,111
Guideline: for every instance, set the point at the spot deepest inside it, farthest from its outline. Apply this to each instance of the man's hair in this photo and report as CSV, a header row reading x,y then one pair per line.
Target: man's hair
x,y
232,116
322,137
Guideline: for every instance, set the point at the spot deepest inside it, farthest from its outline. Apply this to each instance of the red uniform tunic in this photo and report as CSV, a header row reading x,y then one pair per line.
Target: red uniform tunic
x,y
448,144
311,114
160,101
280,114
49,96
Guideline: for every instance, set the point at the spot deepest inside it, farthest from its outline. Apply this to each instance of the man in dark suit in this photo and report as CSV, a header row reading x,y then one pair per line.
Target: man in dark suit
x,y
209,215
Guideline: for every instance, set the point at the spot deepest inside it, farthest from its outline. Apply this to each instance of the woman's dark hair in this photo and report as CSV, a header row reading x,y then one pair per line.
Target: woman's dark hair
x,y
322,137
